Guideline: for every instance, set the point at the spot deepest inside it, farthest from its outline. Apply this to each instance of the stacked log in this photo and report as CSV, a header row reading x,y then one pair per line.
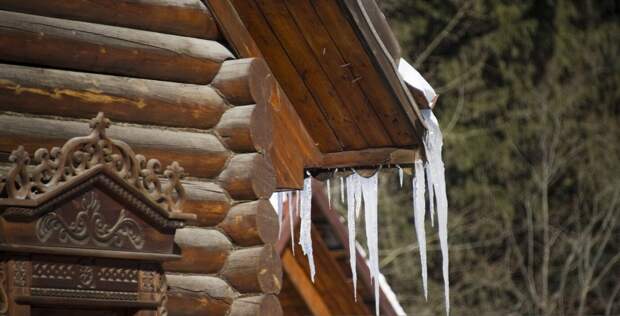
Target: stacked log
x,y
170,97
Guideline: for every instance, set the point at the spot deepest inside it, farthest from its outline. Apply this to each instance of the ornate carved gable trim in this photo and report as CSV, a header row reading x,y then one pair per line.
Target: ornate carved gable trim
x,y
57,168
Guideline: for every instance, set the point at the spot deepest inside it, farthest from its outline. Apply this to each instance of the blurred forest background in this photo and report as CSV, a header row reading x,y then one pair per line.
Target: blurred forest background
x,y
529,106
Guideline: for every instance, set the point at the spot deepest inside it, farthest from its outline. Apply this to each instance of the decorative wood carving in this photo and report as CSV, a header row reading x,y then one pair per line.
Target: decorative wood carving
x,y
57,166
88,225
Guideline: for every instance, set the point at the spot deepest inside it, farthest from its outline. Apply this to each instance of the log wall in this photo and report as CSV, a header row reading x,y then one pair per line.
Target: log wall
x,y
174,92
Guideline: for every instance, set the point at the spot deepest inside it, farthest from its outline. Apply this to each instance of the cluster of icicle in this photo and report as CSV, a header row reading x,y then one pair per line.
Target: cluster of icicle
x,y
428,185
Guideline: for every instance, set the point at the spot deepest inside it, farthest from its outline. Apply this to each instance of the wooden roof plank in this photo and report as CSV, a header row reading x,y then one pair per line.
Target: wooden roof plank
x,y
338,72
299,278
282,67
385,103
290,37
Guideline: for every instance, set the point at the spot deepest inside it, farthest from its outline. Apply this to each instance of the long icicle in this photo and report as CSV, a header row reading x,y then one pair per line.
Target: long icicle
x,y
279,210
351,228
431,192
342,190
433,142
305,239
329,193
419,210
400,175
291,213
369,191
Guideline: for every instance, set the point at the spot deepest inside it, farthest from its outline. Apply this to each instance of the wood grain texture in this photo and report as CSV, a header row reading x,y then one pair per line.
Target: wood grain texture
x,y
247,128
282,67
254,270
259,305
203,250
248,177
338,71
233,29
82,95
179,17
369,158
303,285
251,223
308,68
190,295
207,200
201,154
92,47
378,91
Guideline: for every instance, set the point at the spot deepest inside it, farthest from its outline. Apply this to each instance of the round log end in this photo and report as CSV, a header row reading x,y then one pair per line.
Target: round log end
x,y
262,305
249,177
202,250
252,223
190,295
256,269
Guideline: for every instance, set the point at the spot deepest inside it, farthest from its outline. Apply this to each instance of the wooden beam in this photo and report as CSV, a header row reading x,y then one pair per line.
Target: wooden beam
x,y
82,95
201,154
179,17
233,28
259,305
190,295
305,287
252,223
67,44
204,251
248,177
254,270
368,158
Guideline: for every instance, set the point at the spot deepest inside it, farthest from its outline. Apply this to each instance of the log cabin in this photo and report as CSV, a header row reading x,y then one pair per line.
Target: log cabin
x,y
246,95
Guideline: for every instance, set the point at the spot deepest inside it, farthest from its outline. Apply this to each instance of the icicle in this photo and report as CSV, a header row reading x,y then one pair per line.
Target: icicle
x,y
298,204
291,213
351,228
329,193
419,210
342,190
400,175
305,239
279,211
431,193
357,194
434,143
369,191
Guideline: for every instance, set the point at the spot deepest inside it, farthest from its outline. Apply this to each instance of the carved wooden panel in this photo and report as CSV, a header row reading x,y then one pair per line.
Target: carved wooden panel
x,y
86,228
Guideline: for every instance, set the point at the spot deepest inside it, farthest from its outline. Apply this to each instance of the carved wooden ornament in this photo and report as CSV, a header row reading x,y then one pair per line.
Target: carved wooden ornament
x,y
87,224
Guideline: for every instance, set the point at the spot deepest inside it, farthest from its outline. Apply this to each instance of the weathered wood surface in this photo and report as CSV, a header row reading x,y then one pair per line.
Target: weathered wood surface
x,y
251,223
201,154
345,81
190,295
260,305
232,28
332,286
246,128
92,47
368,158
179,17
303,285
203,250
282,67
207,200
323,91
248,177
123,99
248,81
254,270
